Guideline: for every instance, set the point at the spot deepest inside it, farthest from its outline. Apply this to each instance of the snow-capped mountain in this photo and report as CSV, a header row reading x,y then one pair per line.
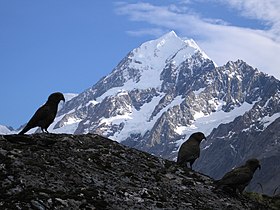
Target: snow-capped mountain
x,y
5,130
168,88
139,90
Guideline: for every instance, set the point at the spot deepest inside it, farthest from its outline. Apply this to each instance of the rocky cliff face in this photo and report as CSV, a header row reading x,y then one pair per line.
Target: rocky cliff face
x,y
230,145
253,134
51,171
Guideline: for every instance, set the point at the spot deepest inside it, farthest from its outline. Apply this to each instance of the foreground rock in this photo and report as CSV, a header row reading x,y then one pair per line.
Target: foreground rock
x,y
52,171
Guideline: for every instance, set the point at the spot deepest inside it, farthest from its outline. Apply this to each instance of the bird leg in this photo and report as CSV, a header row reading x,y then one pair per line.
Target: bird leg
x,y
191,163
44,130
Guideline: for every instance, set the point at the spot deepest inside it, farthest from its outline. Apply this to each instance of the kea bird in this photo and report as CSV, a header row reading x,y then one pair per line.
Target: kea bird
x,y
45,115
189,150
240,177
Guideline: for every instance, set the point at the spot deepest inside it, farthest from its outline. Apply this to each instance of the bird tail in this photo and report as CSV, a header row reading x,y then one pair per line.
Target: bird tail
x,y
24,130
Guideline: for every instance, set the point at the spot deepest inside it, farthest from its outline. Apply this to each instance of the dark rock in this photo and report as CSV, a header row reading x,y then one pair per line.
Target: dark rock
x,y
59,171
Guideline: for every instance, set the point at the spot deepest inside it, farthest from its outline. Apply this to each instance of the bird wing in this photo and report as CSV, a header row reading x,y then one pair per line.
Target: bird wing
x,y
41,114
188,151
238,176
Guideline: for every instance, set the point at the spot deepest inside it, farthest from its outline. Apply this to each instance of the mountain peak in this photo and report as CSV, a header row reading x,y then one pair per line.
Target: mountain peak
x,y
167,47
144,65
173,37
170,34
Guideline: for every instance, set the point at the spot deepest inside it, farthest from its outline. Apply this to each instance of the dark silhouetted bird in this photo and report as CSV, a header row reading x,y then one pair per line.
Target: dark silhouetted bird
x,y
239,178
45,115
189,150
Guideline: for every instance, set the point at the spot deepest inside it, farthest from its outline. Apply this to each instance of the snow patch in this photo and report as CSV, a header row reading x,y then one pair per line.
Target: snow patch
x,y
135,121
197,92
267,120
4,130
138,122
206,123
92,102
233,148
68,97
69,127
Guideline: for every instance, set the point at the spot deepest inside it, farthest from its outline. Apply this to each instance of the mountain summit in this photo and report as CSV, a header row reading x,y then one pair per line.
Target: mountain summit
x,y
143,66
167,89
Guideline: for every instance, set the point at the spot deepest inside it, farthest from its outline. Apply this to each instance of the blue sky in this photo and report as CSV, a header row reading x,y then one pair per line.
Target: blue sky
x,y
67,45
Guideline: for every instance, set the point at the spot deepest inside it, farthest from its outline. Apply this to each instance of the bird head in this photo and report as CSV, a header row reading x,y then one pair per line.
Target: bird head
x,y
56,97
253,164
199,136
